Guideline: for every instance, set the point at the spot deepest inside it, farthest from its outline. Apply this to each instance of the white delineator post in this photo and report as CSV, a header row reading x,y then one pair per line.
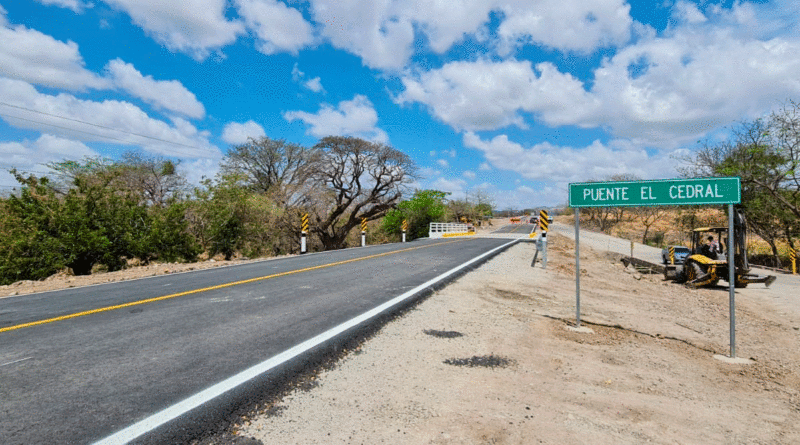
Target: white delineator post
x,y
363,232
303,232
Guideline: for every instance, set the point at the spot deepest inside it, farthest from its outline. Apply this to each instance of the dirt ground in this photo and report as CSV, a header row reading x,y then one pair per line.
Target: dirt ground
x,y
518,375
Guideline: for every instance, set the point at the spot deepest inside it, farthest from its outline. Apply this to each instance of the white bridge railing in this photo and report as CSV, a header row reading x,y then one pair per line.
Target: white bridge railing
x,y
439,230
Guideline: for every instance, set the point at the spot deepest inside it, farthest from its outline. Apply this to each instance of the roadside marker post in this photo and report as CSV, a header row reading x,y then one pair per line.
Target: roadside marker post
x,y
672,254
662,192
303,232
543,224
405,229
793,256
363,232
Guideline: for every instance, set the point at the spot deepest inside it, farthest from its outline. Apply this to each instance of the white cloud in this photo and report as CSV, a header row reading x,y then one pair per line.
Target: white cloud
x,y
76,6
33,155
196,169
456,187
711,68
382,32
486,95
279,28
195,27
673,89
469,174
164,94
688,12
355,117
29,55
314,85
567,25
547,162
485,167
109,121
443,163
3,18
237,134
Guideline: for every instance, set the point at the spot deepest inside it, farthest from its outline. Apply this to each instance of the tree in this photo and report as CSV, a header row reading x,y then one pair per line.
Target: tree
x,y
154,180
649,215
275,167
358,180
424,207
765,154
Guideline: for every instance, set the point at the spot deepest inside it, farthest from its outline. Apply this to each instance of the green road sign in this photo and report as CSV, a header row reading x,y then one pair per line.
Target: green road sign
x,y
655,193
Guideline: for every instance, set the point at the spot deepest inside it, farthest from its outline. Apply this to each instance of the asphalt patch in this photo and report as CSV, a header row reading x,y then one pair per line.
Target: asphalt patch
x,y
443,334
482,361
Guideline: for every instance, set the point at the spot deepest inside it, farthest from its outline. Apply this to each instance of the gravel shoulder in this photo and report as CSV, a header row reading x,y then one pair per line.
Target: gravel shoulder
x,y
645,374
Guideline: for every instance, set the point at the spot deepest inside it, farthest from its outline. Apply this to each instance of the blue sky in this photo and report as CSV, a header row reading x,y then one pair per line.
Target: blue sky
x,y
514,98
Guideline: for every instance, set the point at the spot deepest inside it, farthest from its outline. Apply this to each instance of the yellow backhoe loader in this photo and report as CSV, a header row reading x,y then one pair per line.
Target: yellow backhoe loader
x,y
707,262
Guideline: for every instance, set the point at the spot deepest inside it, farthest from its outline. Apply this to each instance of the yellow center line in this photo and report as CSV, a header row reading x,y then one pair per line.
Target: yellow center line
x,y
205,289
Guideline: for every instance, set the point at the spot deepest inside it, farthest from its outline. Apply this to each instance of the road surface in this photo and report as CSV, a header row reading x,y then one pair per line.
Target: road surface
x,y
80,364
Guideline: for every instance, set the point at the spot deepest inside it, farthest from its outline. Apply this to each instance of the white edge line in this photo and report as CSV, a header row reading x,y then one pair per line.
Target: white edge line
x,y
16,361
168,414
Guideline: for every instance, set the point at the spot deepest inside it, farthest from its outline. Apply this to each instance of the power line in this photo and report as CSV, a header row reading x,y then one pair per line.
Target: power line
x,y
87,123
64,128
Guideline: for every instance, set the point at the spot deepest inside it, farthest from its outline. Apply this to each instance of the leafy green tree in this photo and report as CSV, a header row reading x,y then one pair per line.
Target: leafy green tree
x,y
424,207
219,214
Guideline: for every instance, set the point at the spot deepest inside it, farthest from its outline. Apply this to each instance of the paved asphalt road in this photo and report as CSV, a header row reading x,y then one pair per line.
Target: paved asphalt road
x,y
522,229
78,380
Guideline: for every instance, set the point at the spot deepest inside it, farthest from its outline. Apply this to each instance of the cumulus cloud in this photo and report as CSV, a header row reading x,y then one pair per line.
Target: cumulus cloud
x,y
469,174
548,162
384,32
33,155
76,6
486,95
567,25
29,55
111,121
674,88
237,134
162,94
355,117
278,27
195,27
709,69
314,85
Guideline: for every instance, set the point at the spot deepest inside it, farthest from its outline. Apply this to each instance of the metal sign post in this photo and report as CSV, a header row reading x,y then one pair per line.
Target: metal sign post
x,y
577,267
731,279
663,192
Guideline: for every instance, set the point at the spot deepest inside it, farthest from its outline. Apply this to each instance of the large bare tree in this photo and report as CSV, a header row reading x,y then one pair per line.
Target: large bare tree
x,y
356,179
273,166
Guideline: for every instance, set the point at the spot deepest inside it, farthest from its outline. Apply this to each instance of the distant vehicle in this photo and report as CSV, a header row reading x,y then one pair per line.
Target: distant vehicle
x,y
681,252
534,220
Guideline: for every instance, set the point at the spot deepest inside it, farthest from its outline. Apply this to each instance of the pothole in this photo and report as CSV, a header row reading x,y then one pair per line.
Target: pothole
x,y
483,361
443,334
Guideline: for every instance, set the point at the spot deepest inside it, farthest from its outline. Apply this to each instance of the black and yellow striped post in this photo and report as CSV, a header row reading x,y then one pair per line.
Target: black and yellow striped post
x,y
543,224
405,229
671,254
793,257
303,232
363,232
